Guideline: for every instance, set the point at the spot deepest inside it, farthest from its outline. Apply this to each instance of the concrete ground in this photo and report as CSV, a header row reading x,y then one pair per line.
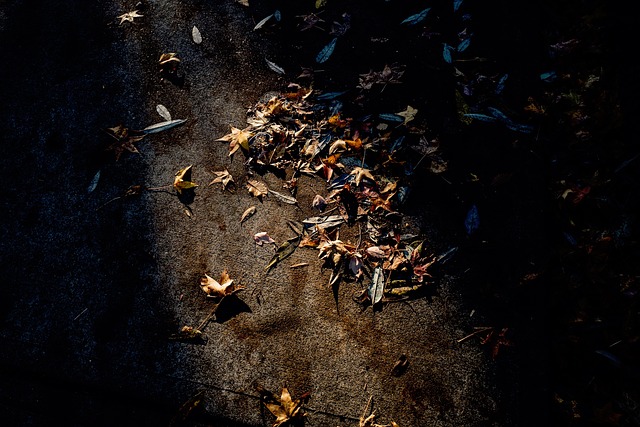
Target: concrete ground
x,y
91,293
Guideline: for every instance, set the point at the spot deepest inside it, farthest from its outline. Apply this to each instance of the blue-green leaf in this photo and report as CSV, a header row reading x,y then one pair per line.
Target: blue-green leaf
x,y
501,83
446,53
549,76
518,127
499,114
510,123
463,45
326,51
456,5
481,117
391,117
414,19
330,95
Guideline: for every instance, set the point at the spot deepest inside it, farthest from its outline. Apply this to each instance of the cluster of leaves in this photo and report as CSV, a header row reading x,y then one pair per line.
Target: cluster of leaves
x,y
297,133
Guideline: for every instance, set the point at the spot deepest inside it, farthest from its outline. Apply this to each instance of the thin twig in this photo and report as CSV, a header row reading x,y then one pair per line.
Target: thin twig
x,y
164,187
210,316
419,161
81,313
473,334
106,203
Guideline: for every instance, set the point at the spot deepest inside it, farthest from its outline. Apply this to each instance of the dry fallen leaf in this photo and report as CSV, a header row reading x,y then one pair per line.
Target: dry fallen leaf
x,y
129,16
195,34
213,288
223,177
408,114
257,189
360,173
164,112
262,237
319,202
183,181
274,67
124,141
247,213
243,2
285,409
236,139
168,59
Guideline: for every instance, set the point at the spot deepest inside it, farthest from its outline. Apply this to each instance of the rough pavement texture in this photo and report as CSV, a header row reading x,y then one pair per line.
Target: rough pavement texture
x,y
90,296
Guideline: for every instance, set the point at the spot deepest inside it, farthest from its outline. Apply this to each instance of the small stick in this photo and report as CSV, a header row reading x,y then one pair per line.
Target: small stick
x,y
473,334
164,187
210,316
106,203
81,313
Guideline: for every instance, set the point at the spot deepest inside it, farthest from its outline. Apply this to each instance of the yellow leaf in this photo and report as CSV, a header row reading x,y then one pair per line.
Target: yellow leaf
x,y
183,181
236,139
356,144
408,114
168,58
286,409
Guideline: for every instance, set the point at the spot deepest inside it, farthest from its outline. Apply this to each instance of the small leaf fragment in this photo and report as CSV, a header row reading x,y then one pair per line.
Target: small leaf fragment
x,y
262,238
400,366
188,334
274,67
319,203
418,17
243,2
283,251
196,35
129,16
326,51
247,213
262,22
167,59
284,198
376,288
164,112
300,264
94,182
